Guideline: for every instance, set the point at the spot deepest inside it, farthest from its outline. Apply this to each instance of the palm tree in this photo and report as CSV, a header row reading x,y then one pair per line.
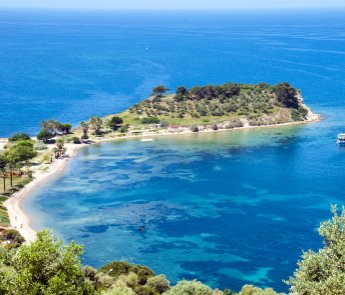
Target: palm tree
x,y
85,126
60,148
3,169
96,123
12,161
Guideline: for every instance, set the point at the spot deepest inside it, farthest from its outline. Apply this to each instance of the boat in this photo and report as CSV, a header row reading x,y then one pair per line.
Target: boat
x,y
341,139
146,139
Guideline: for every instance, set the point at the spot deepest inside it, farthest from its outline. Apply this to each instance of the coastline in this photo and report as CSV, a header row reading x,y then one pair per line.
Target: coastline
x,y
21,222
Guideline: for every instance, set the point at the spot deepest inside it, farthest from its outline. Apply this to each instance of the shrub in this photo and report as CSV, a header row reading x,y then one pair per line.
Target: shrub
x,y
158,284
150,120
251,290
214,126
19,136
40,146
76,140
191,288
27,143
164,124
13,236
194,128
124,129
85,137
117,268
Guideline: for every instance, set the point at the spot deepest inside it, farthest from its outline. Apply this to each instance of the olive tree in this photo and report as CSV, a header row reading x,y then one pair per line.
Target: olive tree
x,y
44,267
323,272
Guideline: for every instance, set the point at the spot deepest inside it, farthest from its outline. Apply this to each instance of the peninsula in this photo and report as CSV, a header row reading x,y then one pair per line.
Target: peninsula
x,y
27,162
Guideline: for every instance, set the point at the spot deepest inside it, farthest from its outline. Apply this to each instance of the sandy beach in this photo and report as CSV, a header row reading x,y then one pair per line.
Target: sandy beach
x,y
21,222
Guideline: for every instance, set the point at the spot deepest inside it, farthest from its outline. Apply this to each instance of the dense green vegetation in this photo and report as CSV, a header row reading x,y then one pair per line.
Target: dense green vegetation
x,y
260,104
48,267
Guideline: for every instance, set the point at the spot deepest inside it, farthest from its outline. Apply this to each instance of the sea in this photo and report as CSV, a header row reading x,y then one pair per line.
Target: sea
x,y
226,208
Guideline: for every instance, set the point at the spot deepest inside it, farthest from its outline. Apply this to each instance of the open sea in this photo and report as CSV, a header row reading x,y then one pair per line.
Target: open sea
x,y
226,208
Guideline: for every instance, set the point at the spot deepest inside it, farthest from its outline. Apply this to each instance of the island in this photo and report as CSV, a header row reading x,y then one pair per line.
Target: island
x,y
226,106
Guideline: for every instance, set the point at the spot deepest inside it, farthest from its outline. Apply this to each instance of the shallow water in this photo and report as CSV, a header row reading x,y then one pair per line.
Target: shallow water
x,y
225,208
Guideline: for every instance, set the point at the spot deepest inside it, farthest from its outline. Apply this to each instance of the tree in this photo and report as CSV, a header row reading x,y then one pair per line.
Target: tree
x,y
45,135
3,170
323,272
181,90
50,125
44,267
85,126
23,153
65,128
159,90
286,95
60,148
97,124
12,160
115,122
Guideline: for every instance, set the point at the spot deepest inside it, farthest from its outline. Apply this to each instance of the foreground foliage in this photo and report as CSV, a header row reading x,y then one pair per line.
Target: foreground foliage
x,y
323,272
47,267
44,267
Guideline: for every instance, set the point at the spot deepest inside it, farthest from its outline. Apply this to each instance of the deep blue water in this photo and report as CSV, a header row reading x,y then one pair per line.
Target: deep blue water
x,y
226,208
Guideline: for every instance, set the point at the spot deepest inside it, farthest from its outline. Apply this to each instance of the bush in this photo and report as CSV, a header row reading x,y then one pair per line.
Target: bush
x,y
164,124
124,129
251,290
27,143
150,120
194,128
40,146
214,126
158,284
76,140
19,136
191,288
13,236
117,268
84,137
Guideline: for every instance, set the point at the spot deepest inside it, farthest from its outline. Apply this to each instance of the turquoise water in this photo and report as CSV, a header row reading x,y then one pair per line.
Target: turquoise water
x,y
228,208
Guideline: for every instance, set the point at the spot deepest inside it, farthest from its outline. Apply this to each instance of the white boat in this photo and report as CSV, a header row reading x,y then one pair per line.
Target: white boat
x,y
146,139
341,139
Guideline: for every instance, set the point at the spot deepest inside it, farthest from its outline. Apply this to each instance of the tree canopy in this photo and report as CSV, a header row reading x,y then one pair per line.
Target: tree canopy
x,y
44,267
323,272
